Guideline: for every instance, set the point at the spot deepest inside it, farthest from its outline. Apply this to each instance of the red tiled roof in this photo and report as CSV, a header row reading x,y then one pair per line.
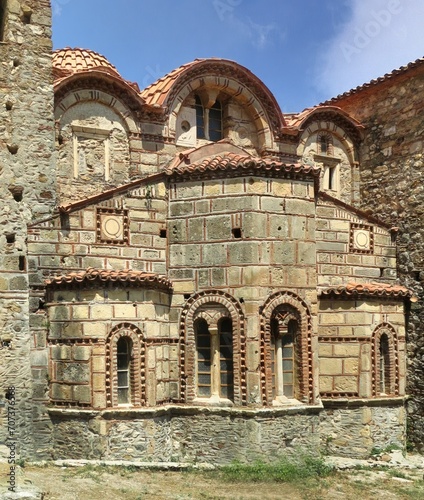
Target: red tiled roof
x,y
157,92
396,72
296,121
234,162
106,275
67,62
370,289
76,60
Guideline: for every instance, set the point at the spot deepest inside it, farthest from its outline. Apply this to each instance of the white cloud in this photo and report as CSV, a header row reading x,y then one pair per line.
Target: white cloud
x,y
380,36
229,11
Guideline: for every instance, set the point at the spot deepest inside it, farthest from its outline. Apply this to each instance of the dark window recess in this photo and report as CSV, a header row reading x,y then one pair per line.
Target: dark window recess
x,y
17,193
417,275
382,269
22,263
215,122
124,348
2,18
26,16
10,238
236,231
162,233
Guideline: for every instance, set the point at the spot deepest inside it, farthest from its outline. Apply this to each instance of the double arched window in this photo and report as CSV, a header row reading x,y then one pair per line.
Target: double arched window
x,y
209,121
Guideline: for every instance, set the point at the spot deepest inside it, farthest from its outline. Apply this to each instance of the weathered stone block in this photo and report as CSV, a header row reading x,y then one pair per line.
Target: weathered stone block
x,y
331,366
82,394
81,353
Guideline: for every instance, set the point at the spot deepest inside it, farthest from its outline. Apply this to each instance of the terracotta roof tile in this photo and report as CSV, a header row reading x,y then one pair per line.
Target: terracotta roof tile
x,y
157,92
370,289
376,81
75,60
106,275
233,162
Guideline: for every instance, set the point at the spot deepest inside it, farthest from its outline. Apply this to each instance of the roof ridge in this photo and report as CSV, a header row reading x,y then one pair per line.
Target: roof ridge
x,y
375,81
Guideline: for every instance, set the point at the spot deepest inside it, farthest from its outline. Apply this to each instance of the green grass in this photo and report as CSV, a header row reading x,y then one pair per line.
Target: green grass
x,y
285,470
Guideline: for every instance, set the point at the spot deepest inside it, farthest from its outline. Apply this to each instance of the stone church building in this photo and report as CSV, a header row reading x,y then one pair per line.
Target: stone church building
x,y
189,274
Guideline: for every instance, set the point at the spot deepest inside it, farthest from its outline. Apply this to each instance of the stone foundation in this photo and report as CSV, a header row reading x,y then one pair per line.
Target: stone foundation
x,y
222,435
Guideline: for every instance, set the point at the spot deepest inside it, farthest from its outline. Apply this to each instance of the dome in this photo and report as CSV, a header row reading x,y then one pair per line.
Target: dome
x,y
77,60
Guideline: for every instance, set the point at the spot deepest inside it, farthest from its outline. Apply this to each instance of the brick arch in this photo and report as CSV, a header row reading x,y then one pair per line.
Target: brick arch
x,y
388,330
332,130
137,369
289,302
89,92
223,305
260,115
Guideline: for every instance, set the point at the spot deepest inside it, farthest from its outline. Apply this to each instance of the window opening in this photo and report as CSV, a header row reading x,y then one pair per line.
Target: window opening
x,y
283,359
384,365
124,363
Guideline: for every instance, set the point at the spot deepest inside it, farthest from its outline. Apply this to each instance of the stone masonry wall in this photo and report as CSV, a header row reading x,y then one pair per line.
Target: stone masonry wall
x,y
247,236
392,164
27,193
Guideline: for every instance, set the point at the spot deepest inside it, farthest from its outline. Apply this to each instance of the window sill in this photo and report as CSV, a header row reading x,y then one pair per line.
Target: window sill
x,y
215,401
285,401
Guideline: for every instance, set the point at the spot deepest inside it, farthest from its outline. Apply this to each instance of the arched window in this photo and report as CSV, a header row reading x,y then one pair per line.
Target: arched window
x,y
208,121
123,355
125,361
214,363
284,366
325,144
384,365
386,362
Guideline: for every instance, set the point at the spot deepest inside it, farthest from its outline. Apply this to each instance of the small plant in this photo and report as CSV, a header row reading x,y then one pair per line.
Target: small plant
x,y
397,473
287,469
388,449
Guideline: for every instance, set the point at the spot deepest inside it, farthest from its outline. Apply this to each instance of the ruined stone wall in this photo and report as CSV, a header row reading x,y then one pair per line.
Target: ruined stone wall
x,y
27,193
391,186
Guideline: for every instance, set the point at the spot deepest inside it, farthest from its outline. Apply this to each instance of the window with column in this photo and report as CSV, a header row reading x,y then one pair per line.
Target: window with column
x,y
214,363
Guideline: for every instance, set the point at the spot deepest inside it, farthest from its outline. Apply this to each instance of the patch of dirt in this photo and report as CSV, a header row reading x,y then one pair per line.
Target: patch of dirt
x,y
127,483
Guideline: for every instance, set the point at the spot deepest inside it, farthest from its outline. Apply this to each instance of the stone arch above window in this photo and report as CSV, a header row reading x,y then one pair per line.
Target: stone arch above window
x,y
385,361
207,314
286,315
245,119
125,365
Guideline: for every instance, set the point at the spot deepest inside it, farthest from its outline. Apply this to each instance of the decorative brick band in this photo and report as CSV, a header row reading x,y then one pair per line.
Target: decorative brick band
x,y
137,365
285,301
220,304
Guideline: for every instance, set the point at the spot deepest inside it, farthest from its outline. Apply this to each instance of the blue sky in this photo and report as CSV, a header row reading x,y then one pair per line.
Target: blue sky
x,y
305,51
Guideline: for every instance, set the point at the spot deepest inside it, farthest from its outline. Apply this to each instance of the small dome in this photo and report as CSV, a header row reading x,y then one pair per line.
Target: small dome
x,y
76,60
